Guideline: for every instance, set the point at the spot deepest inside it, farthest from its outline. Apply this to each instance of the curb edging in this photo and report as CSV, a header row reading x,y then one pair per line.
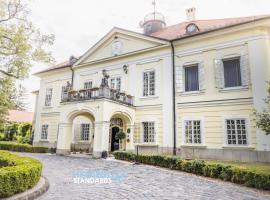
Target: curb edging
x,y
31,194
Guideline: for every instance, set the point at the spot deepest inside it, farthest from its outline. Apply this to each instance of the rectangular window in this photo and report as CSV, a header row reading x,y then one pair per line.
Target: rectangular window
x,y
85,132
149,83
44,132
48,97
236,132
64,93
148,131
191,78
193,132
232,72
87,85
116,83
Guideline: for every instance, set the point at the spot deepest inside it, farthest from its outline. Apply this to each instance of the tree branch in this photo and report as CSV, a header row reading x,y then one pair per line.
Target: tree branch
x,y
8,74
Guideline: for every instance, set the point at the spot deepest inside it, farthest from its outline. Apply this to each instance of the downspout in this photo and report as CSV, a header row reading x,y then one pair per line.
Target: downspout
x,y
174,107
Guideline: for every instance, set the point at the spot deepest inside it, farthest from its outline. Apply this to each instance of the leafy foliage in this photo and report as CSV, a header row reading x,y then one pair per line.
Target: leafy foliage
x,y
21,45
236,174
262,119
12,146
17,174
120,135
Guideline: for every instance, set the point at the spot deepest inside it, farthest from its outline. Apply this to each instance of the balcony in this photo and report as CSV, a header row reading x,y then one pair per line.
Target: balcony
x,y
97,93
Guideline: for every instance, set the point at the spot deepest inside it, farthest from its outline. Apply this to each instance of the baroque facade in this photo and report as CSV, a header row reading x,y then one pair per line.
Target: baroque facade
x,y
188,89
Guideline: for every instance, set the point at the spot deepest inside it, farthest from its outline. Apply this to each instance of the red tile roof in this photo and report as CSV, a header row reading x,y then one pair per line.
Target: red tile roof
x,y
179,30
20,116
58,66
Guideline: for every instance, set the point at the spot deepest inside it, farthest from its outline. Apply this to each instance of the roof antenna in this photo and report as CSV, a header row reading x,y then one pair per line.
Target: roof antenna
x,y
154,5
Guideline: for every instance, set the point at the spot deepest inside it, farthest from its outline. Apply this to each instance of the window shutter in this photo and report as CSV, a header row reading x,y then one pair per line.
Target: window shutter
x,y
219,73
179,78
201,76
244,66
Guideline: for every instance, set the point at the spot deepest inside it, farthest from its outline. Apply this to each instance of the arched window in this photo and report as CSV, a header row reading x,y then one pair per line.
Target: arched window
x,y
116,122
192,28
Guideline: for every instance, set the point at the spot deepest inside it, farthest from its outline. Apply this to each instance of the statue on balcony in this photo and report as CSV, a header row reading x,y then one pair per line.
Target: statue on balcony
x,y
104,81
69,86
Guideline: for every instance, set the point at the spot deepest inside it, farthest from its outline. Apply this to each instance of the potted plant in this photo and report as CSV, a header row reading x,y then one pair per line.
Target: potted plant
x,y
120,136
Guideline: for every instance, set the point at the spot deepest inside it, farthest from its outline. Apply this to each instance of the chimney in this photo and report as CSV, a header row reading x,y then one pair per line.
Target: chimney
x,y
191,14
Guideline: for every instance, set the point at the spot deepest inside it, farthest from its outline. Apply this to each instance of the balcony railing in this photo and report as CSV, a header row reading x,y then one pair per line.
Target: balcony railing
x,y
97,93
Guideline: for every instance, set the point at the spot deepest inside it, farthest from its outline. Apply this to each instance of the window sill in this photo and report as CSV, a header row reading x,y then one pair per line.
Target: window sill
x,y
146,144
47,107
192,93
201,146
43,140
84,141
238,147
234,89
148,97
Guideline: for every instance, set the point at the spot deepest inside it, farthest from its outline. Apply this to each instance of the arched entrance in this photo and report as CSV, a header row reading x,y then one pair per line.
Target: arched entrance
x,y
116,125
77,134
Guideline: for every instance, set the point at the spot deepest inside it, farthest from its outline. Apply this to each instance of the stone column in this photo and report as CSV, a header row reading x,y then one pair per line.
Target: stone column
x,y
101,138
64,138
130,136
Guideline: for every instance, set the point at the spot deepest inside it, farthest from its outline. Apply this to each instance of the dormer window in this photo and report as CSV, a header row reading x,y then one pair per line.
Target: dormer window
x,y
192,28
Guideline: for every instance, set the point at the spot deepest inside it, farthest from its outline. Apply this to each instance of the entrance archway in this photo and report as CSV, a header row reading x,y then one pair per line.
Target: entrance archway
x,y
82,125
116,125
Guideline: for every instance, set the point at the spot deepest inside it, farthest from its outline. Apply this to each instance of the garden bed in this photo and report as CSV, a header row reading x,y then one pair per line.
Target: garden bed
x,y
233,173
17,174
13,146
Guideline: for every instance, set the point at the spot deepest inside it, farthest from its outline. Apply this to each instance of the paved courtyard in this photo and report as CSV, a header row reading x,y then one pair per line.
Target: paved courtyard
x,y
131,182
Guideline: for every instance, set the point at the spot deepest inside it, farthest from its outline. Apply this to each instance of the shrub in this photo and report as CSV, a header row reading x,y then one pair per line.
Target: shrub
x,y
12,146
17,174
2,136
224,172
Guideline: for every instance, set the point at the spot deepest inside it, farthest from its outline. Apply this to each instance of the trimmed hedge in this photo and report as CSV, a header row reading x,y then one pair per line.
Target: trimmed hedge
x,y
224,172
12,146
17,173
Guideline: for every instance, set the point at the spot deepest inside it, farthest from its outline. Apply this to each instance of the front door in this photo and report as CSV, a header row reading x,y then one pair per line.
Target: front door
x,y
114,142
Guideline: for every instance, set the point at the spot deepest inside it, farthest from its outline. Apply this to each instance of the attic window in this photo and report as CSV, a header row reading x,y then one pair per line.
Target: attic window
x,y
192,28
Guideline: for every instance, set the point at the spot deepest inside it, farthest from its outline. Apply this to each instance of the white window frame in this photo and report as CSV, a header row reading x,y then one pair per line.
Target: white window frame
x,y
155,83
248,135
87,82
48,97
231,57
47,132
184,78
82,135
142,132
62,93
201,119
236,57
115,79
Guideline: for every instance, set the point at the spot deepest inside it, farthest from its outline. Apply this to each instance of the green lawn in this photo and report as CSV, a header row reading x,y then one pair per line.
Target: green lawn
x,y
259,167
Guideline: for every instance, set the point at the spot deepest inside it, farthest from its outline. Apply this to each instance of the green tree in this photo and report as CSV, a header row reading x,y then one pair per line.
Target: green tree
x,y
262,119
21,46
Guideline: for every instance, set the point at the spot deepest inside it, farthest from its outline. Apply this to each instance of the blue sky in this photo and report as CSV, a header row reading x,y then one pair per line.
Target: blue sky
x,y
78,24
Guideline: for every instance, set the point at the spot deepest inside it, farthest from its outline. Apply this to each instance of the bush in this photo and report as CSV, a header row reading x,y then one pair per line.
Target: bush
x,y
17,174
2,136
224,172
12,146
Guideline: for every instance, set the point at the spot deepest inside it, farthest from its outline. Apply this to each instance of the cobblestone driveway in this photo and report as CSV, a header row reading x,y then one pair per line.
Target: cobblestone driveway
x,y
141,182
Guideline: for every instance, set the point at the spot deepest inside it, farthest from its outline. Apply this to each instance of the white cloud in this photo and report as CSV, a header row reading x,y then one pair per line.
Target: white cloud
x,y
78,24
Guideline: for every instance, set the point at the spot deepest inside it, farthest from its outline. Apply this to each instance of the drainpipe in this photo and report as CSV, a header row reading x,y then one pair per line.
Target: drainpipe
x,y
174,107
